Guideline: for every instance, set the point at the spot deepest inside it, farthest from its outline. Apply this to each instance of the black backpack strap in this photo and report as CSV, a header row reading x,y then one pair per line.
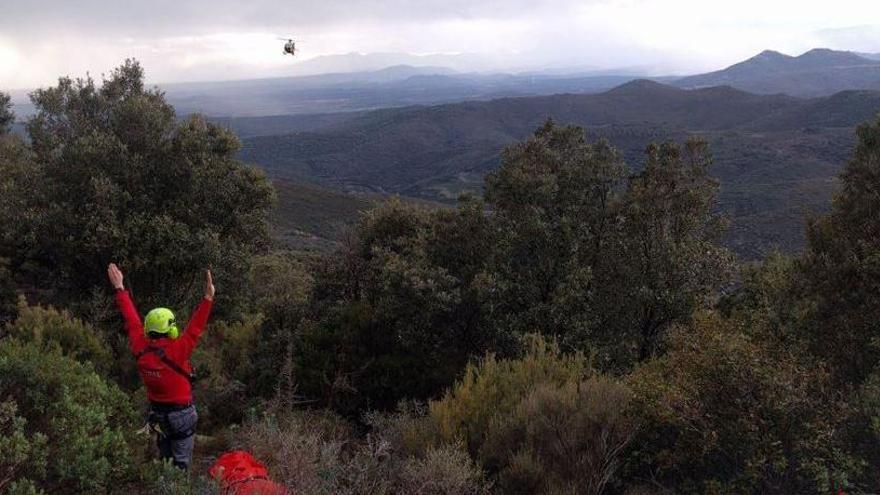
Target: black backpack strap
x,y
167,360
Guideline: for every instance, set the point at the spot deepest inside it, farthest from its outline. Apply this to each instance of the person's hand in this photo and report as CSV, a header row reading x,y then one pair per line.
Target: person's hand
x,y
209,286
115,276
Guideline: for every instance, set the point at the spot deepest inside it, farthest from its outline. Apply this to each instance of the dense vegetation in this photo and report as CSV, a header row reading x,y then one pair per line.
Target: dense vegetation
x,y
578,329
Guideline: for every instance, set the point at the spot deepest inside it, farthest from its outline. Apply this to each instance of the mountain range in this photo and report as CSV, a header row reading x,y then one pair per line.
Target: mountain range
x,y
818,72
373,81
776,156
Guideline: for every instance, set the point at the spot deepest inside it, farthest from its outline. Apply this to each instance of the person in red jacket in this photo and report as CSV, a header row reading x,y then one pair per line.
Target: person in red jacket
x,y
163,355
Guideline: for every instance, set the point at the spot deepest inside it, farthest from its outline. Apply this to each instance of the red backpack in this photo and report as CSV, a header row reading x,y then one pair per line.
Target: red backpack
x,y
240,474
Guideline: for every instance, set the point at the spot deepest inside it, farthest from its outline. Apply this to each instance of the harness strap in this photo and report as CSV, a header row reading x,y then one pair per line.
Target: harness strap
x,y
167,360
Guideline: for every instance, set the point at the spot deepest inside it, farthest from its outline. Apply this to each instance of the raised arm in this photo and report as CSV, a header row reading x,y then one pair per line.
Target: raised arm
x,y
133,325
199,318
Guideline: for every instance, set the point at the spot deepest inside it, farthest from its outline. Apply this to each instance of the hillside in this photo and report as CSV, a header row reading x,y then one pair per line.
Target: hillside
x,y
310,217
397,150
776,156
818,72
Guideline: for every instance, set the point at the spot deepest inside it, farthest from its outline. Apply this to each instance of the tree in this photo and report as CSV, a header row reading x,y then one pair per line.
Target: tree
x,y
841,266
595,258
721,413
19,178
123,180
7,117
398,311
555,204
672,261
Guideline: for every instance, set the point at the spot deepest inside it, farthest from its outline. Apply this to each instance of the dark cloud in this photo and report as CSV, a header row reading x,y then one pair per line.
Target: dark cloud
x,y
169,17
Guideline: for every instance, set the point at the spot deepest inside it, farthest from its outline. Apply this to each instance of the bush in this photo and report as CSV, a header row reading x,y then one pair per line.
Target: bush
x,y
163,478
319,453
82,417
50,329
565,439
21,454
302,451
495,387
445,470
722,414
225,366
539,423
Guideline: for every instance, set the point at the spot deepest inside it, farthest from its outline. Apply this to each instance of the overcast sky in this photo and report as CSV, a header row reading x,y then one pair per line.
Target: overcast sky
x,y
196,40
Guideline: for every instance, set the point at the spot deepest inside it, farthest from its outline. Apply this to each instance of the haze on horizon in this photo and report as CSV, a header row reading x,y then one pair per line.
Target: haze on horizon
x,y
228,39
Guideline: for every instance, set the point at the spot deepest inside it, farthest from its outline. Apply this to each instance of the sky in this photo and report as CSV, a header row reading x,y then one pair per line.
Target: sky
x,y
200,40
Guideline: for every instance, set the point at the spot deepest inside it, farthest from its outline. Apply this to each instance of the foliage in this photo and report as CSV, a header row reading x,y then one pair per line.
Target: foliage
x,y
566,439
124,180
51,329
598,261
18,179
79,417
7,118
282,287
22,454
722,414
841,267
555,202
494,387
162,478
539,424
319,453
397,312
445,470
672,263
570,247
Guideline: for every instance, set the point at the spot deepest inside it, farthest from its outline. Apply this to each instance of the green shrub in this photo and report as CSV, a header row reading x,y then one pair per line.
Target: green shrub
x,y
722,414
224,363
49,328
495,387
21,454
82,417
162,478
540,423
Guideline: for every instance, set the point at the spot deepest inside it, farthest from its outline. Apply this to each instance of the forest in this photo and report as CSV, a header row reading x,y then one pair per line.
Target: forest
x,y
579,327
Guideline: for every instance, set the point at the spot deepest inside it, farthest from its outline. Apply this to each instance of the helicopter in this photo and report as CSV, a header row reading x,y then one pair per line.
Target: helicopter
x,y
289,47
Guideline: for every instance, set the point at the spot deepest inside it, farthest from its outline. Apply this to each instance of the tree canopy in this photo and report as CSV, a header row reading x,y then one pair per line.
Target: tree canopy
x,y
122,179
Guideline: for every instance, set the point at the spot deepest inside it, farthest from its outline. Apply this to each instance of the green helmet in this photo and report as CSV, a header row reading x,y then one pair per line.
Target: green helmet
x,y
161,320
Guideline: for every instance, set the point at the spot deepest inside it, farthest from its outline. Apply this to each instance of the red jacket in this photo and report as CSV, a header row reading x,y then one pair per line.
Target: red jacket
x,y
164,385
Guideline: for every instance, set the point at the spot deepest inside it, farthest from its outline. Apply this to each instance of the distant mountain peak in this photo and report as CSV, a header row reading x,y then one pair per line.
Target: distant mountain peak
x,y
817,72
770,55
642,86
832,57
